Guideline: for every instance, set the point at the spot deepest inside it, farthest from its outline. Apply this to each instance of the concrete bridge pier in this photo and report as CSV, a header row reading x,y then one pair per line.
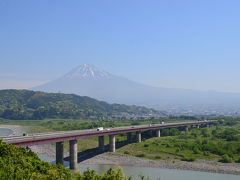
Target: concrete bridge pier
x,y
101,143
59,152
112,143
158,133
138,136
186,128
129,137
198,126
73,154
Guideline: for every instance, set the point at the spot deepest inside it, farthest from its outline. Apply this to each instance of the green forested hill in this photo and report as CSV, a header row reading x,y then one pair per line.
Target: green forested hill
x,y
25,104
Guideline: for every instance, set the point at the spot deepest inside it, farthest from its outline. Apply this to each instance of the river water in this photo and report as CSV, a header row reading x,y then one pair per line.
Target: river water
x,y
5,132
163,174
152,173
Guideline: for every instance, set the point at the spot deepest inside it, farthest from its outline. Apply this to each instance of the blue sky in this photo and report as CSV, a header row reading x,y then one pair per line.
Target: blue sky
x,y
167,43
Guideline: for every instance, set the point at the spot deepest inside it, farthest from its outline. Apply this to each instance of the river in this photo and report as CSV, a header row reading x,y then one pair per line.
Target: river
x,y
5,132
152,173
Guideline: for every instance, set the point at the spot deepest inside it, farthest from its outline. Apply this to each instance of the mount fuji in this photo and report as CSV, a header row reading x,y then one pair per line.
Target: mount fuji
x,y
88,80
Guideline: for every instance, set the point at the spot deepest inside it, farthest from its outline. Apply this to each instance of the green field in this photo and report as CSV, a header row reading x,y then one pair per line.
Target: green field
x,y
75,124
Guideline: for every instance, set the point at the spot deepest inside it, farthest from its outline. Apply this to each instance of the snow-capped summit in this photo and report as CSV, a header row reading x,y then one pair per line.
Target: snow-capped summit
x,y
88,80
87,71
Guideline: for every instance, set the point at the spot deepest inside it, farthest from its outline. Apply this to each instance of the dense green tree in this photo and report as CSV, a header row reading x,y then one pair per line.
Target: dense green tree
x,y
17,163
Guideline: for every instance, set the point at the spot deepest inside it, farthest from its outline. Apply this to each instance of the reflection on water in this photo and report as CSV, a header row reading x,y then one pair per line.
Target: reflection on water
x,y
5,132
154,173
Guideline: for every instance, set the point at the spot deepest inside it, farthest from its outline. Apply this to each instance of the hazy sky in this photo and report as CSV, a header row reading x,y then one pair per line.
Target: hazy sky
x,y
192,44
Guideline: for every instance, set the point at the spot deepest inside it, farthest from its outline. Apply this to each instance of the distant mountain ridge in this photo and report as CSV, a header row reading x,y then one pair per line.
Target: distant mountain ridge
x,y
25,104
87,80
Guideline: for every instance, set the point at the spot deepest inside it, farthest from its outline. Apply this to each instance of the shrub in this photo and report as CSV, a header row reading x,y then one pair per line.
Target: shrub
x,y
174,132
205,133
146,145
135,123
19,163
111,174
226,159
205,153
196,150
204,141
238,161
126,152
165,132
158,157
154,143
189,159
141,155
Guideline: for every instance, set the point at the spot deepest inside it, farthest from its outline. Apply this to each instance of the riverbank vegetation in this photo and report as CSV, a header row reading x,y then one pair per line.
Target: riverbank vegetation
x,y
220,142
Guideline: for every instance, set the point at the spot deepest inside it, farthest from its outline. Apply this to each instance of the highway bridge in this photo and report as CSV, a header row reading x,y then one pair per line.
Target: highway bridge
x,y
72,136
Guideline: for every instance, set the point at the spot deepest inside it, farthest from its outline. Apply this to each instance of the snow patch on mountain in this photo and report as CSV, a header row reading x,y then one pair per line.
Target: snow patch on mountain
x,y
87,71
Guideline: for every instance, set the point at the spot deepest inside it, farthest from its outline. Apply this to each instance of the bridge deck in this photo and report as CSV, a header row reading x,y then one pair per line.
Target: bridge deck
x,y
50,137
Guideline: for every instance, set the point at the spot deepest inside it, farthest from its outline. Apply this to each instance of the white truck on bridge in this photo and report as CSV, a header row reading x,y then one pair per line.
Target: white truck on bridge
x,y
100,129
